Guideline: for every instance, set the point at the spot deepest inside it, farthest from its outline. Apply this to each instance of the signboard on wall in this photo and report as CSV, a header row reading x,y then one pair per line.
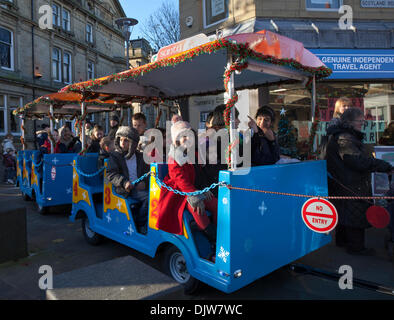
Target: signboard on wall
x,y
357,64
377,3
370,129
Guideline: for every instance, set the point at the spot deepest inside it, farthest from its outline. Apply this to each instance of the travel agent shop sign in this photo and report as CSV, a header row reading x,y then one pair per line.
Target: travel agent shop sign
x,y
377,3
357,64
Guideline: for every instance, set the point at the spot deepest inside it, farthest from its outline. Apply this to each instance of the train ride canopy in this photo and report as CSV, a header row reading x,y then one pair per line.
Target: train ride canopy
x,y
236,62
200,70
62,104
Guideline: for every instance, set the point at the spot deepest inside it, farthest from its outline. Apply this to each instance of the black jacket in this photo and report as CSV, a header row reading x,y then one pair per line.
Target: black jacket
x,y
118,173
94,146
350,169
264,151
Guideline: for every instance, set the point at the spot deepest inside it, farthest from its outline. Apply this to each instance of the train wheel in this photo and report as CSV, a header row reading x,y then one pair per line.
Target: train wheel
x,y
25,197
175,266
91,237
42,210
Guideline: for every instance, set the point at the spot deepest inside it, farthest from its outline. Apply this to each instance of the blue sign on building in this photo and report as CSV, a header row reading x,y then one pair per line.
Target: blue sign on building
x,y
357,64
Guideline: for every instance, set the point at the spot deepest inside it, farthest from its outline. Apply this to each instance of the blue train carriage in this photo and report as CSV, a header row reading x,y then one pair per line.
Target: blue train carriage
x,y
26,157
51,181
47,178
19,167
254,237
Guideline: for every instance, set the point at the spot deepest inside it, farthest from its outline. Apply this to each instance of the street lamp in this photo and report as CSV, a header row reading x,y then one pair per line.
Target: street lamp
x,y
125,24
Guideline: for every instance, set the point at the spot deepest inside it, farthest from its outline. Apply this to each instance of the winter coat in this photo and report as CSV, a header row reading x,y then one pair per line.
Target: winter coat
x,y
72,147
94,146
9,161
208,173
349,166
264,151
117,171
171,205
112,131
8,144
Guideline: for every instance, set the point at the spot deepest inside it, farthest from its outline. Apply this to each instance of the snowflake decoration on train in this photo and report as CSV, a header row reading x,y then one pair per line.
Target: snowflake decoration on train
x,y
223,254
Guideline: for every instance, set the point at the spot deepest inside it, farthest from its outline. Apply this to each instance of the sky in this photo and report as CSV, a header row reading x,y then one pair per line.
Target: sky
x,y
140,10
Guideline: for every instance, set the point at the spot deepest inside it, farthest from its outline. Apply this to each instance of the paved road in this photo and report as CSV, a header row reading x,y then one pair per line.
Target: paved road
x,y
53,240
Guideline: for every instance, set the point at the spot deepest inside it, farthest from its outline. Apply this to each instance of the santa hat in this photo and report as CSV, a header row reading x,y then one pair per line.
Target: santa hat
x,y
177,128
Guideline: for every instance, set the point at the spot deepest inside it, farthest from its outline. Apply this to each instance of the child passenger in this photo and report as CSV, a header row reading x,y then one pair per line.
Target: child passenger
x,y
181,176
126,165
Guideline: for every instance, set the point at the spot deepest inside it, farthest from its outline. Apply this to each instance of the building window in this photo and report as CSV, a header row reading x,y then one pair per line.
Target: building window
x,y
56,70
56,15
326,5
8,122
2,112
215,11
89,33
66,19
90,70
67,67
13,104
6,49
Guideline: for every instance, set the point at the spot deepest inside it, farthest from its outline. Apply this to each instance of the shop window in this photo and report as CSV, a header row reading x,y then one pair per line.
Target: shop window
x,y
325,5
214,12
6,49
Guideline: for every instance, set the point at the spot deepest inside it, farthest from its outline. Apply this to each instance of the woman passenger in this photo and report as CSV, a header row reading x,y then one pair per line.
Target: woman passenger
x,y
67,143
181,176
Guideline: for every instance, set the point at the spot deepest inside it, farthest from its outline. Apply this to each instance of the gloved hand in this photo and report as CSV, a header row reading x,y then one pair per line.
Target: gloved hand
x,y
208,195
197,203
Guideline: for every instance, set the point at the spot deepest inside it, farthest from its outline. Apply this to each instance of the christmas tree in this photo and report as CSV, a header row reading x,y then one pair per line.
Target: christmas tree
x,y
287,136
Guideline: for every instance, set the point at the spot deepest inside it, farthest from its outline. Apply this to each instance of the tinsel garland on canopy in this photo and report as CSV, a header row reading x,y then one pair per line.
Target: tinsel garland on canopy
x,y
238,50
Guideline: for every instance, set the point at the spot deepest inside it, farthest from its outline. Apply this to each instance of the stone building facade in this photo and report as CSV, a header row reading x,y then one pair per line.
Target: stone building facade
x,y
83,42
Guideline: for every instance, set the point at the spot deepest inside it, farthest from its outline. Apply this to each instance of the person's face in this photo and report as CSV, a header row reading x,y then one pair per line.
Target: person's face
x,y
110,147
176,118
140,126
67,133
358,123
55,135
263,121
344,106
113,123
87,126
237,122
124,143
98,134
